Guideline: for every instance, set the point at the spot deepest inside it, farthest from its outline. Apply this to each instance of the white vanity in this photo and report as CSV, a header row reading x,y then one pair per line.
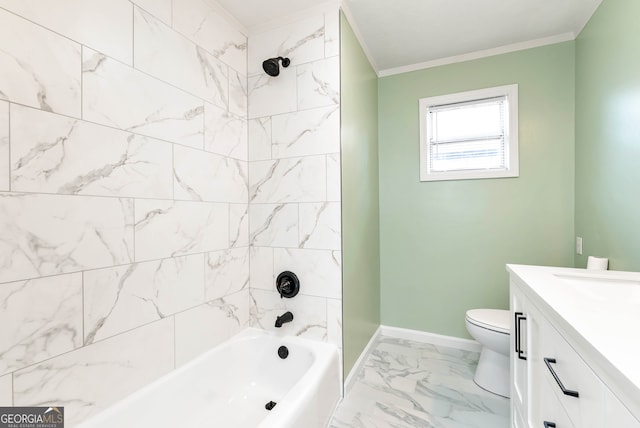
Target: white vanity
x,y
575,348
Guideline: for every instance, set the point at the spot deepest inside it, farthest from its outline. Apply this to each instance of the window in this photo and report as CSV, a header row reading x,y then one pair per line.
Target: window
x,y
469,135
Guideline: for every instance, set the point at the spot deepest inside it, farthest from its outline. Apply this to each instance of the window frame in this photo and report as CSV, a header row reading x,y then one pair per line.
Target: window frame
x,y
511,146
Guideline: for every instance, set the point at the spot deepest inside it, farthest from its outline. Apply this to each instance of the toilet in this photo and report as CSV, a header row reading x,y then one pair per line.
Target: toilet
x,y
490,327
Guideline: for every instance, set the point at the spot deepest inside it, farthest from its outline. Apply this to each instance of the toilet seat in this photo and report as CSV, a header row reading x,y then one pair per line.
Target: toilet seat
x,y
497,320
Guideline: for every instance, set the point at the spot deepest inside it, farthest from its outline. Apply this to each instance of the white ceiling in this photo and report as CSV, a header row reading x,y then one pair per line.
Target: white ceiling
x,y
399,35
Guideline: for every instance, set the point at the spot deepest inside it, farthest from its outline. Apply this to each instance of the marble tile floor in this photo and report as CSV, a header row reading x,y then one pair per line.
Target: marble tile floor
x,y
410,384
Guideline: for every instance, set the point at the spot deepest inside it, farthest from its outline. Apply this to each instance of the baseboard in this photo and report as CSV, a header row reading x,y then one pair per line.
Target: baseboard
x,y
432,338
349,381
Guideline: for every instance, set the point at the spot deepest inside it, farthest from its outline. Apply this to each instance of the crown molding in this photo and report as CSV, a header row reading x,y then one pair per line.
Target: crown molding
x,y
479,54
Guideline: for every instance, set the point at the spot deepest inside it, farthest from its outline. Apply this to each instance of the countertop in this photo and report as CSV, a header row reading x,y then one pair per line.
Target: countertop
x,y
598,313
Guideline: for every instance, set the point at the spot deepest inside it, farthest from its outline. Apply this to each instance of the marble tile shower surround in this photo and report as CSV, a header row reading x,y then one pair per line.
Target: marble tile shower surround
x,y
406,384
124,195
294,177
130,213
4,147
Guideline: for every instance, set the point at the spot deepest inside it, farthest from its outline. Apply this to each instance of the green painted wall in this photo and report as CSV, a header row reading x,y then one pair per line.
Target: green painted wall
x,y
360,216
444,245
607,208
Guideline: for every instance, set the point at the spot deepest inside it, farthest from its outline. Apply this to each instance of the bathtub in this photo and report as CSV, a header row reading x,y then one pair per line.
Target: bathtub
x,y
230,385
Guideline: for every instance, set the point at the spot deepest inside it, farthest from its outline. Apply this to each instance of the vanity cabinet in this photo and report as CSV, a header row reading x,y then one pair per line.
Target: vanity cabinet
x,y
552,385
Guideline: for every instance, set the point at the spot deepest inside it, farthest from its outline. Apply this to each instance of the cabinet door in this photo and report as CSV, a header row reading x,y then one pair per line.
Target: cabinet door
x,y
520,344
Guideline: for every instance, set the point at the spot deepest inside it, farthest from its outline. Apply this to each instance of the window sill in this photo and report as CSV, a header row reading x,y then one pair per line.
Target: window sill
x,y
467,175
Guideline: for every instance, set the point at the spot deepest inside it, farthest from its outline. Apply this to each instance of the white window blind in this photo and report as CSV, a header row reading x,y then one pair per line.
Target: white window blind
x,y
469,135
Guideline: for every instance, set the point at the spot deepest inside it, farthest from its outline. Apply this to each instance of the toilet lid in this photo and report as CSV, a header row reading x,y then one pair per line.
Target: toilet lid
x,y
492,319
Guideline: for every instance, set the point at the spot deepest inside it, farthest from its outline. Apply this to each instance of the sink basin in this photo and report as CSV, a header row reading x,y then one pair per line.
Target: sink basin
x,y
623,291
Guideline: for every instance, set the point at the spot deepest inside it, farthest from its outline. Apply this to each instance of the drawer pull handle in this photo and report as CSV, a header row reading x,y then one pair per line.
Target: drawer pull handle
x,y
521,353
565,391
549,424
519,317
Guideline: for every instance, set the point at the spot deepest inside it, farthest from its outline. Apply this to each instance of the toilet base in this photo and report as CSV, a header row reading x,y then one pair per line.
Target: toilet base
x,y
492,373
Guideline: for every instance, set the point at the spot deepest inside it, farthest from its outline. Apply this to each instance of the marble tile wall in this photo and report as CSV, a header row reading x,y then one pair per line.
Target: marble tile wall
x,y
124,190
4,146
294,177
6,391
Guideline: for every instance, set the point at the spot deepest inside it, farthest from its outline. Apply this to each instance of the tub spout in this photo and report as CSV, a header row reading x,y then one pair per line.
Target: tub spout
x,y
283,319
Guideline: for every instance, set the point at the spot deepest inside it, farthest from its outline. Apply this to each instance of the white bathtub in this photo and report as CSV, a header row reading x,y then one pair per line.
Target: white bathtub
x,y
230,385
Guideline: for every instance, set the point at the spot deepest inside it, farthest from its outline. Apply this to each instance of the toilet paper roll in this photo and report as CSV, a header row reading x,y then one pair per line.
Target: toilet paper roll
x,y
597,263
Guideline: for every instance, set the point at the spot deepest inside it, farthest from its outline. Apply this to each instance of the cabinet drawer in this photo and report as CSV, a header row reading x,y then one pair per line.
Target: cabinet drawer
x,y
558,358
551,411
616,415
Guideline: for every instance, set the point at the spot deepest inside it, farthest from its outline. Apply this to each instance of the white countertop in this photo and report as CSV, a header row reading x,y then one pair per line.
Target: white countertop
x,y
598,312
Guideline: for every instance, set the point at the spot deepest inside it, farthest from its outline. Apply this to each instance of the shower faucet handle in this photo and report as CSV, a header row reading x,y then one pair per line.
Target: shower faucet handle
x,y
285,287
287,284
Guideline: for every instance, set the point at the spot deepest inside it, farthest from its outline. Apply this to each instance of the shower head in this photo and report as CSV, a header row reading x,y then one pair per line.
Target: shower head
x,y
271,66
